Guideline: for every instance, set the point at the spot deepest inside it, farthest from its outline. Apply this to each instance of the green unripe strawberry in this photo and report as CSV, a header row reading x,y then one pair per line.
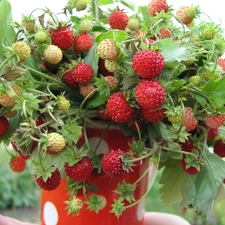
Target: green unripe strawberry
x,y
86,26
53,54
194,81
41,36
29,24
191,12
72,3
63,104
133,24
81,5
22,49
176,117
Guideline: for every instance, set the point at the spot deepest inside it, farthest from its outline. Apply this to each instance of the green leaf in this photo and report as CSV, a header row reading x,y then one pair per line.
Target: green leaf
x,y
71,131
172,52
92,58
128,4
97,100
215,90
27,102
171,179
7,32
117,35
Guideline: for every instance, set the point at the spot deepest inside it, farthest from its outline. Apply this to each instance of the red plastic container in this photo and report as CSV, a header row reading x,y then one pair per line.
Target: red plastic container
x,y
53,205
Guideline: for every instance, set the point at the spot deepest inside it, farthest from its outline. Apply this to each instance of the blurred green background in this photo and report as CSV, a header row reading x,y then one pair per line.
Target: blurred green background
x,y
20,198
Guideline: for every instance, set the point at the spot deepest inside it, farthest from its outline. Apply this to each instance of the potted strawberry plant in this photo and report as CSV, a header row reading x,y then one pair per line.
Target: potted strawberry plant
x,y
97,102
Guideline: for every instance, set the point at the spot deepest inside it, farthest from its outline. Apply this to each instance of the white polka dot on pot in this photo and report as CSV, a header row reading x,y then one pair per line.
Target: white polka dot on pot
x,y
141,209
102,144
50,214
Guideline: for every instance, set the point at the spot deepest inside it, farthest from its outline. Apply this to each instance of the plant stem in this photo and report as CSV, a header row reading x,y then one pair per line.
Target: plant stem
x,y
6,60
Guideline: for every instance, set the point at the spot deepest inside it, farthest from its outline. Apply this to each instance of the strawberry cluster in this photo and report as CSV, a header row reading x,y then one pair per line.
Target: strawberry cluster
x,y
158,76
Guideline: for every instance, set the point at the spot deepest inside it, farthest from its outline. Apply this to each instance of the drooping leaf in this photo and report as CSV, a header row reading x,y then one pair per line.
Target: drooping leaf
x,y
207,183
171,180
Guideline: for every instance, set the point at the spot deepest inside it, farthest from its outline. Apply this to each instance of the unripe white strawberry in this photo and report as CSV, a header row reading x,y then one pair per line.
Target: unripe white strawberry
x,y
111,66
86,26
56,143
107,49
22,49
53,54
63,104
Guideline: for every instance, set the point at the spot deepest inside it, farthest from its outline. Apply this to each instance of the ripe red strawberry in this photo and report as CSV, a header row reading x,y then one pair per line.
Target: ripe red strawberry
x,y
214,121
190,164
112,163
51,183
102,114
186,14
190,122
164,33
187,146
18,163
153,115
53,54
148,64
63,37
80,74
118,108
212,133
107,49
83,42
80,170
219,148
150,94
68,78
118,20
4,126
156,6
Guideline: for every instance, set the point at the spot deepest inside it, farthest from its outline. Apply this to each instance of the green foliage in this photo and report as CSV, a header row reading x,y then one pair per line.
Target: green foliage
x,y
6,30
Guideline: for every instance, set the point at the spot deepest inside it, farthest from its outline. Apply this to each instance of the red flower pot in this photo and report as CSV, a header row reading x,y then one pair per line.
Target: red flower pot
x,y
53,207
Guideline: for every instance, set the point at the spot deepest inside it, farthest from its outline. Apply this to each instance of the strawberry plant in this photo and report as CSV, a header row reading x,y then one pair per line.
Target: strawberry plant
x,y
155,73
